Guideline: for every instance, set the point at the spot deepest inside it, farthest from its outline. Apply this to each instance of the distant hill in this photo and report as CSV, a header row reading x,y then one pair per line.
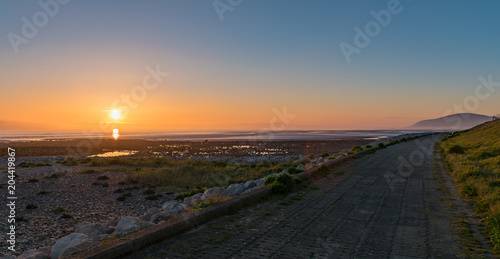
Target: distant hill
x,y
457,121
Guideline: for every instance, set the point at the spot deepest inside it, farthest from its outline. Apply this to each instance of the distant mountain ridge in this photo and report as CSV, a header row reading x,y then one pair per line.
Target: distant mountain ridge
x,y
459,121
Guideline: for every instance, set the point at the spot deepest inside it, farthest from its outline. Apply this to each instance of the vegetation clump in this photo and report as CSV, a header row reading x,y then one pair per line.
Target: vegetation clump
x,y
456,149
355,149
282,184
190,193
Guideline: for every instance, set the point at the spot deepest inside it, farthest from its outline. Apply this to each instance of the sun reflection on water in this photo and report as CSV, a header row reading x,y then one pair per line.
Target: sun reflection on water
x,y
115,134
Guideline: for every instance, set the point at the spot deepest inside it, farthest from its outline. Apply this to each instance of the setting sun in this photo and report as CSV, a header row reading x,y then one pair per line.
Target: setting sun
x,y
115,114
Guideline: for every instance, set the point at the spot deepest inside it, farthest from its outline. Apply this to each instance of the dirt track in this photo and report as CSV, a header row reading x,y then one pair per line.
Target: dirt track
x,y
381,210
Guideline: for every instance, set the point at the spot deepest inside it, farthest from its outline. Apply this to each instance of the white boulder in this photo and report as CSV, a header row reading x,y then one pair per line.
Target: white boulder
x,y
129,225
72,244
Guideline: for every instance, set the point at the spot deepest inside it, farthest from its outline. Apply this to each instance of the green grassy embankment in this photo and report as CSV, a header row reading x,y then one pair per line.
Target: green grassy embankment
x,y
473,160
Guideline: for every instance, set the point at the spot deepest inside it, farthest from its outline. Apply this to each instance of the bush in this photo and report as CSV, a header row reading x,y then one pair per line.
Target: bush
x,y
368,146
381,145
456,149
297,181
294,170
269,180
355,149
324,155
105,184
285,179
323,168
279,188
469,190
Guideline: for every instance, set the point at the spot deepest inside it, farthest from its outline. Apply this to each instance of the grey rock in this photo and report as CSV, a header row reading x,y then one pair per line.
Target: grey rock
x,y
112,222
212,193
234,189
301,167
173,208
152,211
129,225
250,184
93,231
72,244
259,182
192,200
158,217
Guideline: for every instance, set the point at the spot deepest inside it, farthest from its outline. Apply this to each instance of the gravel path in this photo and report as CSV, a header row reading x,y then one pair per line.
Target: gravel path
x,y
381,210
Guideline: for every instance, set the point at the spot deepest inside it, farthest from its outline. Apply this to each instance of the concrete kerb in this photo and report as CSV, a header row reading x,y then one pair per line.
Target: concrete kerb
x,y
154,234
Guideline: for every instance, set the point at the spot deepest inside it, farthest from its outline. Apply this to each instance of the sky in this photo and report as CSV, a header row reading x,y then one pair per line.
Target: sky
x,y
241,64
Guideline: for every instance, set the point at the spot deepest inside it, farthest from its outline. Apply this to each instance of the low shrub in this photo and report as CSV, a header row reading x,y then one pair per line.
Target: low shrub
x,y
355,149
190,193
381,145
456,149
469,189
294,170
284,184
269,180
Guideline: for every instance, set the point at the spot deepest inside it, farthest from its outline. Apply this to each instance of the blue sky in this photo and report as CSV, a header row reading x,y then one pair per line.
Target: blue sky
x,y
263,55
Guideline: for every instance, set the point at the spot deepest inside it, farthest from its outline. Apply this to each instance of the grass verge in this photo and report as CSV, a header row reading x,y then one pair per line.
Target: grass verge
x,y
473,160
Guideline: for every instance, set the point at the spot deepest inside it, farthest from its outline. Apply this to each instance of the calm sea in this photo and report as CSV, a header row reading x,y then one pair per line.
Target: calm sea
x,y
209,135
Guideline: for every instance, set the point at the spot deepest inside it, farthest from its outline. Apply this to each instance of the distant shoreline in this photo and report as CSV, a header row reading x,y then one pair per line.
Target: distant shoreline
x,y
11,136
